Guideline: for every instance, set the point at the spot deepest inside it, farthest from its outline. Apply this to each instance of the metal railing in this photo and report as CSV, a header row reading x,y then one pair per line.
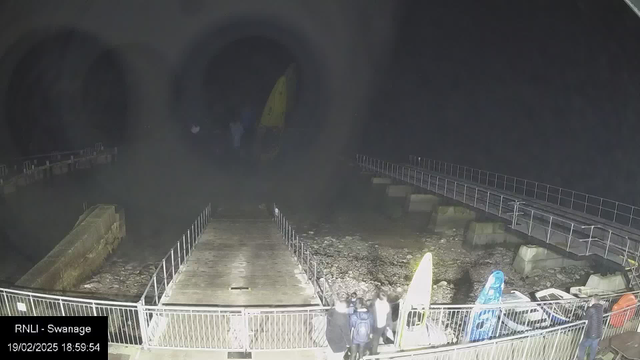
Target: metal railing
x,y
554,342
605,209
578,238
124,320
28,163
559,343
236,329
172,264
30,170
191,327
309,263
454,321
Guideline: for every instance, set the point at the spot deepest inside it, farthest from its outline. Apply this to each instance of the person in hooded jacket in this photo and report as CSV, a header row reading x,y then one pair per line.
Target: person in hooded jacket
x,y
362,323
338,329
594,329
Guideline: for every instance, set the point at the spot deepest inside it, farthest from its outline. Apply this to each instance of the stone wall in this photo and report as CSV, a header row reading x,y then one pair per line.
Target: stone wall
x,y
97,233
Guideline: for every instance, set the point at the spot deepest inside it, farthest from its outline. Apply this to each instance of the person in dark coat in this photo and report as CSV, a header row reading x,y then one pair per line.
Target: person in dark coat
x,y
593,331
338,329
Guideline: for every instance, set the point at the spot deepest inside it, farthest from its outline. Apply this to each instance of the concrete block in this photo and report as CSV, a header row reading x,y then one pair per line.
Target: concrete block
x,y
399,191
22,180
613,283
451,217
421,203
60,168
532,257
103,159
381,181
80,253
489,232
9,187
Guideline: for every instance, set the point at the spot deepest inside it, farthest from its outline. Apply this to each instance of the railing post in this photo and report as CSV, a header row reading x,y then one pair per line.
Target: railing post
x,y
626,252
514,220
164,271
173,270
600,208
245,327
184,250
606,251
143,325
324,287
155,288
589,240
550,228
475,200
179,260
531,223
570,235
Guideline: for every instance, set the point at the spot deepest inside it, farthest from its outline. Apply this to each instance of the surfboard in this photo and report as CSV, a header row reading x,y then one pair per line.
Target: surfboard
x,y
483,321
419,291
413,329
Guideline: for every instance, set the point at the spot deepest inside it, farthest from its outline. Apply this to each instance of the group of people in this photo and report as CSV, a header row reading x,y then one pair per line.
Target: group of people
x,y
355,328
241,127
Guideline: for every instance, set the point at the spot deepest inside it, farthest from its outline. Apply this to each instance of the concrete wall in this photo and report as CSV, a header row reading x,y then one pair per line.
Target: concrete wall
x,y
97,233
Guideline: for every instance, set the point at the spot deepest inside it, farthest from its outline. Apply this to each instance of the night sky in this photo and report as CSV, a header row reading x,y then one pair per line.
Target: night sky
x,y
544,90
547,90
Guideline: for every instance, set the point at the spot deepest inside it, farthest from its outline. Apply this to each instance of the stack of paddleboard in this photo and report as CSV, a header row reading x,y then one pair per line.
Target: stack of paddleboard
x,y
559,312
520,318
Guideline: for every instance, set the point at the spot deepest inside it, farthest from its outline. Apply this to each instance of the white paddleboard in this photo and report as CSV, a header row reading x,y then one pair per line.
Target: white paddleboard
x,y
419,292
413,331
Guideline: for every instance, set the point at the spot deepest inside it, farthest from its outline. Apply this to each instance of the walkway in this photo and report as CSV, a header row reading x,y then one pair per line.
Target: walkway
x,y
118,352
549,220
242,262
610,237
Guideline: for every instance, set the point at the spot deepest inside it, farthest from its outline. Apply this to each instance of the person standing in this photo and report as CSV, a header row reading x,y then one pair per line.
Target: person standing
x,y
361,325
594,329
236,134
338,330
382,313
